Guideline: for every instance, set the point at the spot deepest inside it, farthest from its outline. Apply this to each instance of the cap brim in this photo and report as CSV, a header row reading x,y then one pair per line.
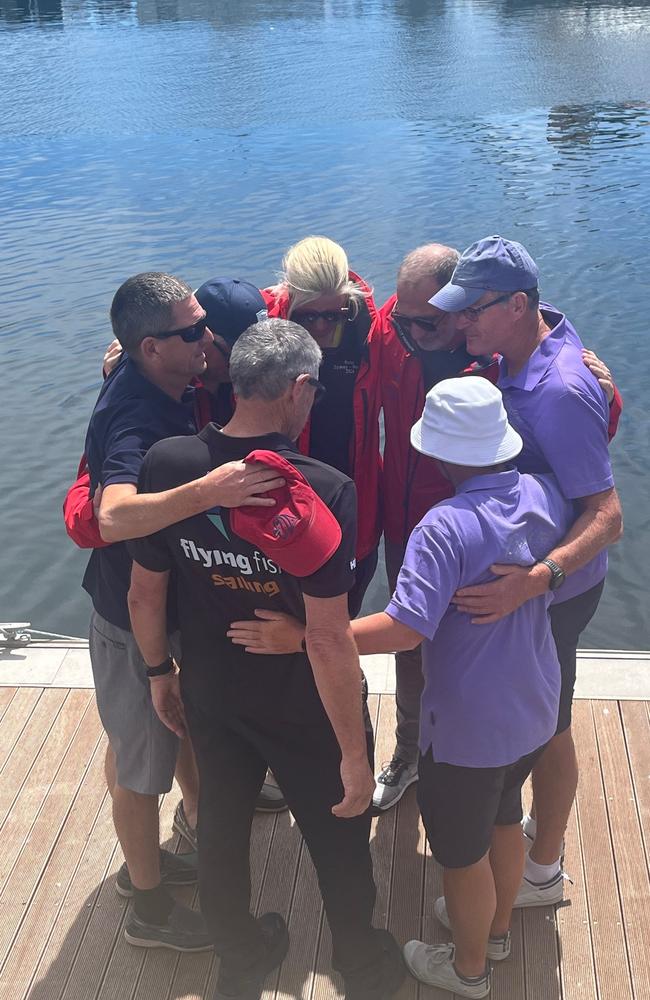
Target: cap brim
x,y
454,298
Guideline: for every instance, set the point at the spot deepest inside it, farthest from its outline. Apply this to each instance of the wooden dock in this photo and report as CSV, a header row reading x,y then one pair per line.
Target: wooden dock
x,y
61,920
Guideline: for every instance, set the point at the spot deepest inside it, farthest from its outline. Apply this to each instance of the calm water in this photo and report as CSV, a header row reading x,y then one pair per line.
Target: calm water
x,y
203,137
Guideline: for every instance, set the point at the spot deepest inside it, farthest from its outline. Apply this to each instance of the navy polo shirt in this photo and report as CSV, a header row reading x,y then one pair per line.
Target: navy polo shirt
x,y
130,415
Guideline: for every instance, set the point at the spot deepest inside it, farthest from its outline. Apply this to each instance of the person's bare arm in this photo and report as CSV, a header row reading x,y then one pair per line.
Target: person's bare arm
x,y
599,524
148,610
124,513
382,634
335,664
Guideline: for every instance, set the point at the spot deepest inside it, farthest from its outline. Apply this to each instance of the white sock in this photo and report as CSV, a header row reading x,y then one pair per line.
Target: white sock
x,y
540,873
529,826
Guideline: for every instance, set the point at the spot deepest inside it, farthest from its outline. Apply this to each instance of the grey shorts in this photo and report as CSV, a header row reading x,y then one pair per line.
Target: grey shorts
x,y
145,749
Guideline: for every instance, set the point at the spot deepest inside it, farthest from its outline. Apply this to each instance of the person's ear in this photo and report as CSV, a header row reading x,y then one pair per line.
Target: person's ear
x,y
519,304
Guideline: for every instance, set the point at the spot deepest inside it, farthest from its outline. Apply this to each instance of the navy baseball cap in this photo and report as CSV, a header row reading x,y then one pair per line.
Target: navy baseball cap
x,y
493,264
231,306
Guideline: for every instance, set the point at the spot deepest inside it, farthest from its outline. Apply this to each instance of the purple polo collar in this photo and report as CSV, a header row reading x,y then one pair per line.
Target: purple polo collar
x,y
541,358
495,482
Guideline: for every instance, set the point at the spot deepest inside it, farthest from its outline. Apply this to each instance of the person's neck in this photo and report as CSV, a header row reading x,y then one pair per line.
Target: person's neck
x,y
525,342
255,421
458,474
172,385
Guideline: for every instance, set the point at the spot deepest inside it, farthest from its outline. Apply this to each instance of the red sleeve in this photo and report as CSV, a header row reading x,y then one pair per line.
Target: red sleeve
x,y
78,513
615,410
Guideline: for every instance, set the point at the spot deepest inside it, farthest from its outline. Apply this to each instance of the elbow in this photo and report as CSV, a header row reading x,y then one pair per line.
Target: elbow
x,y
107,527
617,528
327,643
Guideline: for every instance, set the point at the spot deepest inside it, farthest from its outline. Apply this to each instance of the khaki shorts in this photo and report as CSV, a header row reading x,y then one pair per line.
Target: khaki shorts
x,y
145,749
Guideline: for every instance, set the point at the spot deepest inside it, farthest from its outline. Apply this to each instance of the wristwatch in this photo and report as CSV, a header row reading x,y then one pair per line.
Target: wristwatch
x,y
163,668
558,576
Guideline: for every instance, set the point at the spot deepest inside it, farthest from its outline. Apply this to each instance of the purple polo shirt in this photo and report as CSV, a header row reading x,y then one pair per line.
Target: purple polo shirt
x,y
561,412
491,692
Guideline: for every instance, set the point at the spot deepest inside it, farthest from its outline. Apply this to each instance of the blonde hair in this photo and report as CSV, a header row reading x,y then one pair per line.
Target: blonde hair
x,y
318,266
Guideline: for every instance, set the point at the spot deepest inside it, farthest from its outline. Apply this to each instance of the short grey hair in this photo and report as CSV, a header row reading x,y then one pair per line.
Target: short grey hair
x,y
433,260
141,307
269,355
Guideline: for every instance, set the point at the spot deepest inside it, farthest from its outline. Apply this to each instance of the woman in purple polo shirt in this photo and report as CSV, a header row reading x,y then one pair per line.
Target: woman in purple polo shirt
x,y
491,693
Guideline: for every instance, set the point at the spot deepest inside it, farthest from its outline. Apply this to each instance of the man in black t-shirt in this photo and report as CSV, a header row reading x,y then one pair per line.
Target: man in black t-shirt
x,y
301,714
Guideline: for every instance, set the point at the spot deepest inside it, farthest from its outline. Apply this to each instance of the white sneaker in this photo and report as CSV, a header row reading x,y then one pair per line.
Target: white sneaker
x,y
392,781
434,965
497,948
543,893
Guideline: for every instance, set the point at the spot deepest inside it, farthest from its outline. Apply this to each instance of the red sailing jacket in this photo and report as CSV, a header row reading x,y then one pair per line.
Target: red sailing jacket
x,y
365,454
413,481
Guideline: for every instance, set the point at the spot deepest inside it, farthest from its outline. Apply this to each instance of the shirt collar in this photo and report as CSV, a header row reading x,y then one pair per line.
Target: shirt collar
x,y
145,387
541,358
494,482
228,445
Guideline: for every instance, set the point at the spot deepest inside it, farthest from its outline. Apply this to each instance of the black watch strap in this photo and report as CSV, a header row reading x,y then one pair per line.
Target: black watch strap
x,y
557,573
165,667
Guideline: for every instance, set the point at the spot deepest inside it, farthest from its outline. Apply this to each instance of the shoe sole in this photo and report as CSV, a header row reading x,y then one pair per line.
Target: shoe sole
x,y
146,943
271,809
539,902
376,810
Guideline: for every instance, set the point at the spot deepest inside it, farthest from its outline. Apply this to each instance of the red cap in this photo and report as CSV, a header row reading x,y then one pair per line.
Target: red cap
x,y
300,533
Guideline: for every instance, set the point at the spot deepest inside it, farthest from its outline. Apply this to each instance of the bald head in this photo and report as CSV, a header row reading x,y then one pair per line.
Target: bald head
x,y
432,262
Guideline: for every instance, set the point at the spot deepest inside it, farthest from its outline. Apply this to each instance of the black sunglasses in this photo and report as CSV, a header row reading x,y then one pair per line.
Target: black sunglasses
x,y
404,323
189,334
318,386
311,316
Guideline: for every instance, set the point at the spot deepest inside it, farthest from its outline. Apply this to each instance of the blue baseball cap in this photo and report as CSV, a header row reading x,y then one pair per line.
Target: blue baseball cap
x,y
493,264
231,306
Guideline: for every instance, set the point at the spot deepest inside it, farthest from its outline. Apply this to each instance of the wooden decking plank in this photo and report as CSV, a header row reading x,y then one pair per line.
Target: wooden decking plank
x,y
431,931
6,696
47,902
577,972
610,955
298,970
15,720
629,853
404,920
68,748
542,973
27,747
382,834
637,737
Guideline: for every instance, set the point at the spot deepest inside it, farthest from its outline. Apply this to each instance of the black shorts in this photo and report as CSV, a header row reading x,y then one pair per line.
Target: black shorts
x,y
568,620
460,806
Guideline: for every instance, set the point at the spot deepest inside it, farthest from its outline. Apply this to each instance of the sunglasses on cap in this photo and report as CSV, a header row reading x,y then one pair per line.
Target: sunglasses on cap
x,y
308,317
189,334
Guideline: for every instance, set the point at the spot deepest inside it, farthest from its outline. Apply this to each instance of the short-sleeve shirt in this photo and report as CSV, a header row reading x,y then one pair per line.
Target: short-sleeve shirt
x,y
491,692
561,412
221,578
130,415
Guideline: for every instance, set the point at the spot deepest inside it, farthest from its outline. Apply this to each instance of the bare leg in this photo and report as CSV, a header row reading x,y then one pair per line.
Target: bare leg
x,y
135,818
187,777
471,902
507,863
555,780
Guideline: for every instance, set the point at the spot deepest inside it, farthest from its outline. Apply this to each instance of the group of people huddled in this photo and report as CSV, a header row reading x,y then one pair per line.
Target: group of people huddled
x,y
234,493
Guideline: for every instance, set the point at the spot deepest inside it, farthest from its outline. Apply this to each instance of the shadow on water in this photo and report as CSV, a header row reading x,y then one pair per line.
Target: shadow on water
x,y
589,127
31,11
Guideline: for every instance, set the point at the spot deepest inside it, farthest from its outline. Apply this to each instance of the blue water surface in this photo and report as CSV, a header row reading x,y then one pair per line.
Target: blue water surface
x,y
205,137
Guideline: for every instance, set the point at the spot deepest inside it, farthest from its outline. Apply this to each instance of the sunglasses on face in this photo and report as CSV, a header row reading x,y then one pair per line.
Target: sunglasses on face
x,y
318,386
405,323
309,317
473,312
189,334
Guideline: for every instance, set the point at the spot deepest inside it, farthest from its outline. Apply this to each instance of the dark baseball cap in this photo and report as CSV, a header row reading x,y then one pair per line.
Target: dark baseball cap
x,y
231,306
300,533
493,264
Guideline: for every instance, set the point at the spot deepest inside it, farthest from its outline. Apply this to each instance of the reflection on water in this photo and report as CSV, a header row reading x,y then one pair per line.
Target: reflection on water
x,y
203,137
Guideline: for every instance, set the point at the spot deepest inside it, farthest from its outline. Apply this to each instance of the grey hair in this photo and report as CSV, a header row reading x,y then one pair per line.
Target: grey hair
x,y
141,307
269,355
433,260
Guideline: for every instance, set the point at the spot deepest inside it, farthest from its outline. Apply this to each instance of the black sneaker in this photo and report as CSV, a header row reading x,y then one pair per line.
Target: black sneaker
x,y
180,824
175,869
270,799
248,984
384,978
185,930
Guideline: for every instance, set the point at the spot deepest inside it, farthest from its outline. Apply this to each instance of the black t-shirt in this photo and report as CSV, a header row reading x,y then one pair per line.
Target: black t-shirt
x,y
332,420
438,365
220,578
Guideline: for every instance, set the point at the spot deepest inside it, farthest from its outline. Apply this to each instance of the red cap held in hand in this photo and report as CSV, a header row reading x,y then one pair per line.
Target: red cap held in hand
x,y
300,533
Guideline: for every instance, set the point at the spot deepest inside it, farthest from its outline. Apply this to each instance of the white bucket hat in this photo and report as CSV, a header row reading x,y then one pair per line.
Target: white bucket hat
x,y
465,423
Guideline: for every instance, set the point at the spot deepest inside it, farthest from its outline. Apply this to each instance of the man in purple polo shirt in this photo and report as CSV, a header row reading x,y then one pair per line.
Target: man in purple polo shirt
x,y
491,695
560,410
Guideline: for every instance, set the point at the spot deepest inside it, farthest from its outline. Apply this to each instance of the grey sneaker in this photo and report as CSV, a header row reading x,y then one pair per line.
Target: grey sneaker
x,y
175,869
392,781
543,893
497,948
185,930
434,965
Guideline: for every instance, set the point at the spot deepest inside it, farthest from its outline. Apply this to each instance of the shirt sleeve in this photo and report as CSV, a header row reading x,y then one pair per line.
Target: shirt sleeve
x,y
573,437
337,575
127,442
151,552
427,581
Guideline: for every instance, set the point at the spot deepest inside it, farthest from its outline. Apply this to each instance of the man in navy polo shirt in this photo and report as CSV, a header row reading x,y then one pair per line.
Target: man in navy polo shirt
x,y
163,330
561,412
491,694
